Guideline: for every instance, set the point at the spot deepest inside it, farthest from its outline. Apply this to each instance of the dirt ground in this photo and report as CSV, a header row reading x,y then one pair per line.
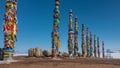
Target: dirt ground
x,y
42,62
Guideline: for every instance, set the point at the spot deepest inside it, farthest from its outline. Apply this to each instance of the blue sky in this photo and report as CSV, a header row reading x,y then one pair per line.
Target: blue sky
x,y
35,21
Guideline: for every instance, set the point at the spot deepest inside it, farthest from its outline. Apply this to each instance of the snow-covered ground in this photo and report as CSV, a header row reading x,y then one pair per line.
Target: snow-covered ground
x,y
114,55
22,54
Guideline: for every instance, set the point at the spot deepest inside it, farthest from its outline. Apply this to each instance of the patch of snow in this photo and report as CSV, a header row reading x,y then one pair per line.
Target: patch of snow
x,y
22,54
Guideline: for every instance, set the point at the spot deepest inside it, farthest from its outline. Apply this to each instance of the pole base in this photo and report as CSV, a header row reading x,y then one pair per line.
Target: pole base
x,y
8,58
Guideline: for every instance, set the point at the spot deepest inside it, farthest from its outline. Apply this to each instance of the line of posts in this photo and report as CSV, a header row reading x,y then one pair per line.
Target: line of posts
x,y
89,47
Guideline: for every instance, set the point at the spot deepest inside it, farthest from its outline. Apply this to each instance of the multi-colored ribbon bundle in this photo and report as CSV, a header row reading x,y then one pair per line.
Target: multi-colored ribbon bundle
x,y
76,37
70,34
55,35
9,26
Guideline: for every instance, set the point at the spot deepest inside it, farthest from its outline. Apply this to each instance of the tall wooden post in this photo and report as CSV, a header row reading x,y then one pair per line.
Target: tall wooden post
x,y
76,37
55,31
83,42
87,43
95,46
98,47
10,28
91,49
103,51
70,35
